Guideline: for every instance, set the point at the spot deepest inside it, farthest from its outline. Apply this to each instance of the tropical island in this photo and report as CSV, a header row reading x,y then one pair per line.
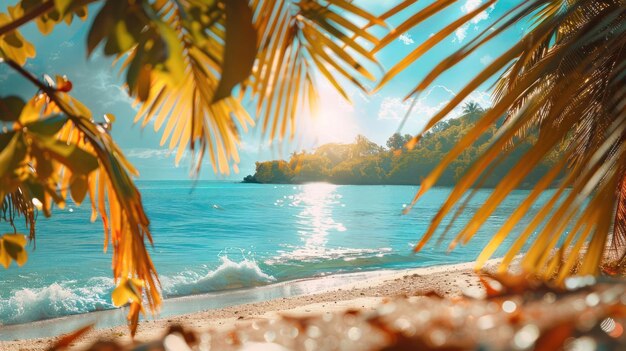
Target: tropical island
x,y
364,162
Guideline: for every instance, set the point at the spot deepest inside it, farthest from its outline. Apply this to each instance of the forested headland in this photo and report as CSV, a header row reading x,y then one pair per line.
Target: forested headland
x,y
365,162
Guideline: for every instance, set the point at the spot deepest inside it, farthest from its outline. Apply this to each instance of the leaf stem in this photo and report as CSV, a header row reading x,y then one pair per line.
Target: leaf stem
x,y
27,75
51,93
41,9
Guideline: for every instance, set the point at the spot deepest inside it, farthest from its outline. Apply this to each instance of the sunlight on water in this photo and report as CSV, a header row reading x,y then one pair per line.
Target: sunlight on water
x,y
315,221
316,224
225,235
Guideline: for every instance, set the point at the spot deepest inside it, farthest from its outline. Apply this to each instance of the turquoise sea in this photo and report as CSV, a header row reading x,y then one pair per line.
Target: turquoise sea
x,y
216,236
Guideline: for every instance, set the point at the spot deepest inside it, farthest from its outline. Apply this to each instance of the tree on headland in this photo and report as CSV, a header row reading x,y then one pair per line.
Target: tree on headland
x,y
393,166
182,61
397,142
562,93
364,147
273,172
472,108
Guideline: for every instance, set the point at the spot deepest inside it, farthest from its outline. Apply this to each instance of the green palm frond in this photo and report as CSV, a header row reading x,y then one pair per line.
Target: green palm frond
x,y
563,83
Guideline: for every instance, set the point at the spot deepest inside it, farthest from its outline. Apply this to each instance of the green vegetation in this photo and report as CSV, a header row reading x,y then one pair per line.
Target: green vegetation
x,y
364,162
560,88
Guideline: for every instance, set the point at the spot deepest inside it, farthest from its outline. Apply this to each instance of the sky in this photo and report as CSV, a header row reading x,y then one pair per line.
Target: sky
x,y
377,116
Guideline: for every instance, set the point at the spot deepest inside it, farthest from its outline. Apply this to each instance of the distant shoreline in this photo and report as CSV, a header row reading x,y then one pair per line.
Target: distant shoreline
x,y
522,187
402,162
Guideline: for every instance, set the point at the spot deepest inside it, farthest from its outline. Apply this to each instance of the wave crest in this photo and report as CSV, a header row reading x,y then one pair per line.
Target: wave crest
x,y
228,275
55,300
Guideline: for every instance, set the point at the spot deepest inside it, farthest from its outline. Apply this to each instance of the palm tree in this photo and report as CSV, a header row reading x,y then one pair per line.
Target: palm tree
x,y
472,108
189,64
564,83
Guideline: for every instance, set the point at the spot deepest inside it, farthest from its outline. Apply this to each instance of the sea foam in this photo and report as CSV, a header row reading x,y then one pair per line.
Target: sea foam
x,y
55,300
72,297
228,275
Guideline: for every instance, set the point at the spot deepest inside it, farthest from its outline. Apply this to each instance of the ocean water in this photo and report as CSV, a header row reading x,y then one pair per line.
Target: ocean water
x,y
216,236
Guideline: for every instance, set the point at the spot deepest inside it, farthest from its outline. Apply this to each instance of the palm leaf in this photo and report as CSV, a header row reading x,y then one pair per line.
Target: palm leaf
x,y
270,51
296,39
182,60
561,85
68,154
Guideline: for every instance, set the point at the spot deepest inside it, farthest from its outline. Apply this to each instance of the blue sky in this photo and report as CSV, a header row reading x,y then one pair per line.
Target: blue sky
x,y
377,116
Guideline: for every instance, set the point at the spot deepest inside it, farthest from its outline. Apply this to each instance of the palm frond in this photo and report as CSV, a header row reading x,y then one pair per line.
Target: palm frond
x,y
184,61
296,39
57,150
268,50
563,83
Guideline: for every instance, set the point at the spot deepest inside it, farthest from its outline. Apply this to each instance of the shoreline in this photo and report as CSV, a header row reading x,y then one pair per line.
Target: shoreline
x,y
188,304
448,186
312,296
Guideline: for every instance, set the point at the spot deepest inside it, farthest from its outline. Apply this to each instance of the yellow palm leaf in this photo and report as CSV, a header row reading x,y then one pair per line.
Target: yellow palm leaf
x,y
561,90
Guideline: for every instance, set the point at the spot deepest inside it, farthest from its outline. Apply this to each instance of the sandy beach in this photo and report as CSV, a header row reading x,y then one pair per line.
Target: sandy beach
x,y
448,280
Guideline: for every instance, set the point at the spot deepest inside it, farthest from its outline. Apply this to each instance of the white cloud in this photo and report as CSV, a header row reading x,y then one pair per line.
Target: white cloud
x,y
105,84
461,33
160,154
482,98
5,73
258,146
55,56
145,153
485,60
469,6
395,108
406,39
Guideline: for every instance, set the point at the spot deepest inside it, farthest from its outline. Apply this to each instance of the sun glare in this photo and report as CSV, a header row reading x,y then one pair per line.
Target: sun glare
x,y
333,120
